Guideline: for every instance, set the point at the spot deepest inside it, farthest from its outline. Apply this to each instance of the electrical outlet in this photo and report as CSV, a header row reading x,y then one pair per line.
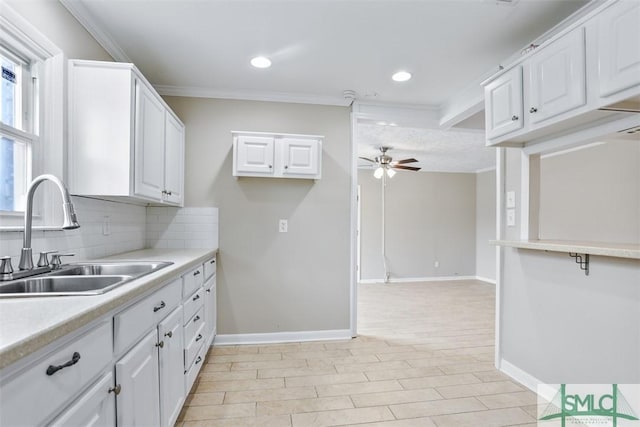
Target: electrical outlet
x,y
511,217
436,264
283,226
511,199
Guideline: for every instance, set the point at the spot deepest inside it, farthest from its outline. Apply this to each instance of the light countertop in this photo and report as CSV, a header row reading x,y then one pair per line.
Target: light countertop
x,y
31,323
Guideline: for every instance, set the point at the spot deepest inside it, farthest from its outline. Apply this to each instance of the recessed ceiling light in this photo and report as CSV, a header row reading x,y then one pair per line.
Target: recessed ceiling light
x,y
401,76
261,62
381,123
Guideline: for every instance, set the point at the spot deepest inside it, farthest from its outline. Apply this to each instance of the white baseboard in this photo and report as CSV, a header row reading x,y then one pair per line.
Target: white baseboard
x,y
282,337
527,380
418,279
486,279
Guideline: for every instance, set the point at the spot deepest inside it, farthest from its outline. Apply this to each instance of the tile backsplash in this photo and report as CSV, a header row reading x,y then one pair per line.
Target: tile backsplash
x,y
130,227
176,228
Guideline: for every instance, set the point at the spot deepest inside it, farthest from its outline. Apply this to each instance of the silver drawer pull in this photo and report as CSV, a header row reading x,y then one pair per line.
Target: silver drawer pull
x,y
115,390
197,297
74,359
169,334
199,337
198,360
195,319
196,273
159,307
160,344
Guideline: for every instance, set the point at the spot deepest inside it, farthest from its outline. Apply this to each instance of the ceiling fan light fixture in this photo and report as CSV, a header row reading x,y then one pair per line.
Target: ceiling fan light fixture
x,y
261,62
390,173
401,76
378,173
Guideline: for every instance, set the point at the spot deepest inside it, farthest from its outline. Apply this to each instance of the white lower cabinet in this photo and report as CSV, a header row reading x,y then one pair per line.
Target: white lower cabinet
x,y
137,375
96,407
132,368
172,392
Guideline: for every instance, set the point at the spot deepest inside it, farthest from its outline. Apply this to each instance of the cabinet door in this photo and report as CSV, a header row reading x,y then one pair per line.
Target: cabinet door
x,y
210,313
254,155
149,144
172,391
619,47
503,104
174,160
95,408
300,157
557,77
137,373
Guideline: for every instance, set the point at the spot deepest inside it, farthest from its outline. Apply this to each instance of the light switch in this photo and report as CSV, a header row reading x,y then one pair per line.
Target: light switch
x,y
511,217
283,225
511,199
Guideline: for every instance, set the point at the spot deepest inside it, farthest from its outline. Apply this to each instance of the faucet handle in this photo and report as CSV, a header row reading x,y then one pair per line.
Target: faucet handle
x,y
6,269
55,260
43,261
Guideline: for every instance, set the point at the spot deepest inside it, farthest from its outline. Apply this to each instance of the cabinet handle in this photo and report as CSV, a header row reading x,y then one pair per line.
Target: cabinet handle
x,y
197,297
169,334
74,359
270,166
195,319
198,360
115,390
514,118
168,193
208,291
533,110
196,273
160,344
286,166
213,261
159,307
199,337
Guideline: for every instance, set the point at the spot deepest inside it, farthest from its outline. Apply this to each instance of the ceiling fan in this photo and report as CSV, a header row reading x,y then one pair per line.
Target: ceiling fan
x,y
386,163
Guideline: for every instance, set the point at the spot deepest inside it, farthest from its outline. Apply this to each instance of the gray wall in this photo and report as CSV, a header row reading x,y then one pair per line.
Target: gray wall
x,y
561,326
270,281
486,224
429,217
592,194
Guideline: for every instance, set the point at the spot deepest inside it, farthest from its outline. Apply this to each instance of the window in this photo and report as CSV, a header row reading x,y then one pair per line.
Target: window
x,y
32,115
18,127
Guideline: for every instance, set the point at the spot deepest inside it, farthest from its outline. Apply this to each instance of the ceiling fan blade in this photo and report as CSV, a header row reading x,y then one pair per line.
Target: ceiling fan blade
x,y
402,162
368,160
409,168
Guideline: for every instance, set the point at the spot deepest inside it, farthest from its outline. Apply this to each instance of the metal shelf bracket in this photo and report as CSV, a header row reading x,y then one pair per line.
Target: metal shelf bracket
x,y
584,262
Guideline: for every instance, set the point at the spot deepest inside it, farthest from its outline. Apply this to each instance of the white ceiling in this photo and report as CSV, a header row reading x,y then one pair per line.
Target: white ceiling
x,y
320,48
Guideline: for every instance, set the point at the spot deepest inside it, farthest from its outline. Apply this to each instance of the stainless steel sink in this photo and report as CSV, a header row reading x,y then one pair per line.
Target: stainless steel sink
x,y
62,285
136,268
85,278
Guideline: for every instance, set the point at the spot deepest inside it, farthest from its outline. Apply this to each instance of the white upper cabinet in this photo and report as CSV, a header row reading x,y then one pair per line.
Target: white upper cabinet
x,y
259,154
504,104
300,157
586,75
124,141
254,154
557,77
619,47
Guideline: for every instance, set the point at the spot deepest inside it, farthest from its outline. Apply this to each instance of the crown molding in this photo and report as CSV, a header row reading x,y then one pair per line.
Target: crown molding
x,y
86,19
246,95
489,169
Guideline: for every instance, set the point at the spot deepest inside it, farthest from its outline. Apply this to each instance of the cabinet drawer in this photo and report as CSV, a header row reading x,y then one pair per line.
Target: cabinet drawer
x,y
36,394
194,346
192,280
193,303
132,323
193,325
192,372
209,268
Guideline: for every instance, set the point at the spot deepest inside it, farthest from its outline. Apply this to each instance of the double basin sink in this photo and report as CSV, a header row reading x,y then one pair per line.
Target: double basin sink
x,y
84,278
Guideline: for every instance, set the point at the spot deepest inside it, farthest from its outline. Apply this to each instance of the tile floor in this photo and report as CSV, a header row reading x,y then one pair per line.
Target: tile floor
x,y
424,357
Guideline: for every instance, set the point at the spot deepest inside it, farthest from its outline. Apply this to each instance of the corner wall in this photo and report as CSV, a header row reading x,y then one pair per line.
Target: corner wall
x,y
270,282
486,225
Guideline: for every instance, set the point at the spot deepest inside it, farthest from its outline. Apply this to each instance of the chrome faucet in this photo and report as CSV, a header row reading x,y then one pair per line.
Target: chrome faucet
x,y
70,220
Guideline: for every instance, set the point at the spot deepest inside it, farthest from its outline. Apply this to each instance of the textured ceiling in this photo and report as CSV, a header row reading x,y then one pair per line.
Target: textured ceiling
x,y
436,150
